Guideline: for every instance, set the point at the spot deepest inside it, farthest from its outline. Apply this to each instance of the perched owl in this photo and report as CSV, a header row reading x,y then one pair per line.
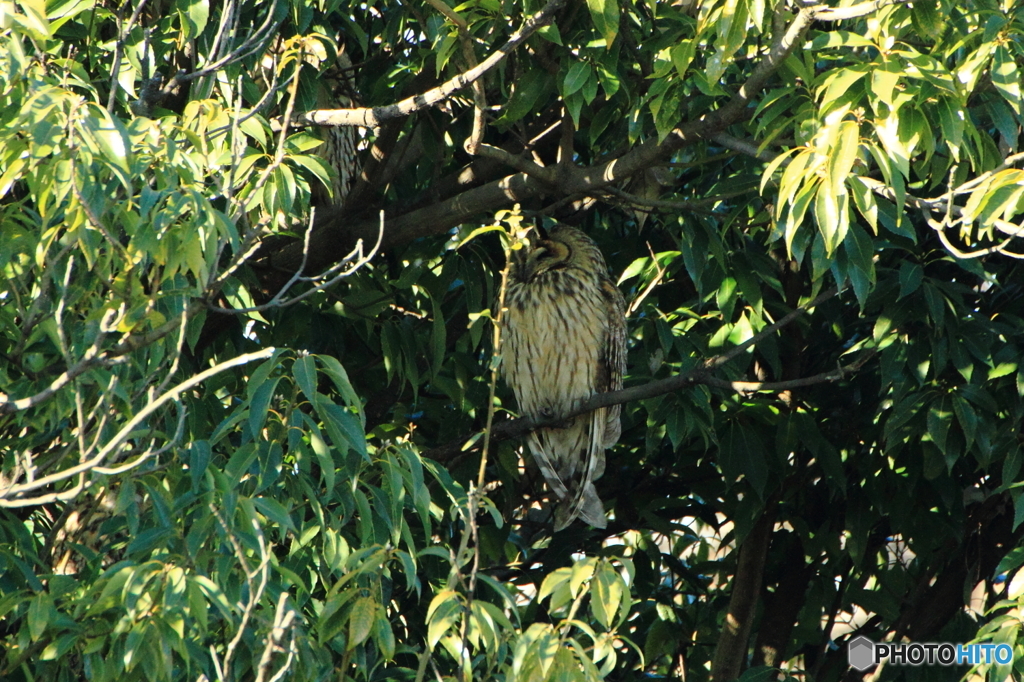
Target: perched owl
x,y
565,340
341,143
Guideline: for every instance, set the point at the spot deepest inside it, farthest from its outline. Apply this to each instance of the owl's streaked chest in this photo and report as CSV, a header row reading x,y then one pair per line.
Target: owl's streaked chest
x,y
556,328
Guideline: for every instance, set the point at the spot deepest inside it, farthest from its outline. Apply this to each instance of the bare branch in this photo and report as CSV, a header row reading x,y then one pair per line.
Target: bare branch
x,y
479,96
520,163
635,303
255,591
373,117
320,280
284,619
731,650
855,11
151,96
122,33
742,146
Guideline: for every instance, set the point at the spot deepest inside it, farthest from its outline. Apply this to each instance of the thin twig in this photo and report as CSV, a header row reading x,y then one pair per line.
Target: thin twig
x,y
635,304
479,96
677,205
279,301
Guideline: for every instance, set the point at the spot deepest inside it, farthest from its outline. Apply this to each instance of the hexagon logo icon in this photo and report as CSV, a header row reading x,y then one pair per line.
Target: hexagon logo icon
x,y
860,652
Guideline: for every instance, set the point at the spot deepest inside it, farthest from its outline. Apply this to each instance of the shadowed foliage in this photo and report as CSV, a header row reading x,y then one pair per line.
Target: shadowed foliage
x,y
247,363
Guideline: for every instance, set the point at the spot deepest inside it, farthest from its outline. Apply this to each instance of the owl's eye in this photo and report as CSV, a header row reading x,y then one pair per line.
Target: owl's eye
x,y
549,251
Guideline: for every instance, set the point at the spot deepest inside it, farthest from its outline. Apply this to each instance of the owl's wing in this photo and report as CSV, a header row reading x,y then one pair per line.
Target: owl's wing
x,y
613,358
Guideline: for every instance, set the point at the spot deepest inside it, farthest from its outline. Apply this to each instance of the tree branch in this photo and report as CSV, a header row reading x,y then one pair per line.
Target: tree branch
x,y
686,204
515,428
371,117
12,495
731,651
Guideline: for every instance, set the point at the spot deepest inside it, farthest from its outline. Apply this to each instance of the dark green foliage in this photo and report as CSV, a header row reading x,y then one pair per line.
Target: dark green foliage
x,y
204,479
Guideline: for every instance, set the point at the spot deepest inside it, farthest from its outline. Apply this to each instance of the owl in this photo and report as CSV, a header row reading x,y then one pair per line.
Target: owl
x,y
341,143
564,339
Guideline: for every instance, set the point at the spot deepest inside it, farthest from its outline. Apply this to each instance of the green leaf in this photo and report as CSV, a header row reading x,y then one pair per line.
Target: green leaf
x,y
444,610
936,303
839,83
831,220
606,594
40,612
1006,77
1013,560
199,460
1002,369
384,636
939,420
194,16
682,55
844,154
550,32
554,580
438,338
361,620
110,136
304,371
240,461
833,39
339,376
967,418
883,83
259,405
911,275
743,454
343,427
275,511
860,250
314,165
605,15
576,77
527,92
33,19
951,120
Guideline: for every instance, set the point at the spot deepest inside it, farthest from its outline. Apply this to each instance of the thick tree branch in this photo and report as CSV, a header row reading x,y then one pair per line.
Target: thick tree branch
x,y
332,235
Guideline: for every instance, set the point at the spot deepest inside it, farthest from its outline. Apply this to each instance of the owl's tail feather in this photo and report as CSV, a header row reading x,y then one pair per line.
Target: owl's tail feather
x,y
571,459
585,504
547,466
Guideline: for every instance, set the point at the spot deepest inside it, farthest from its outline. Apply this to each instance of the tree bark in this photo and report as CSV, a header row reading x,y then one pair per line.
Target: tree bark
x,y
731,652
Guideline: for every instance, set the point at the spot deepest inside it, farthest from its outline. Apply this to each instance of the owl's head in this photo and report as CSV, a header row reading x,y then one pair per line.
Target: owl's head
x,y
560,248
